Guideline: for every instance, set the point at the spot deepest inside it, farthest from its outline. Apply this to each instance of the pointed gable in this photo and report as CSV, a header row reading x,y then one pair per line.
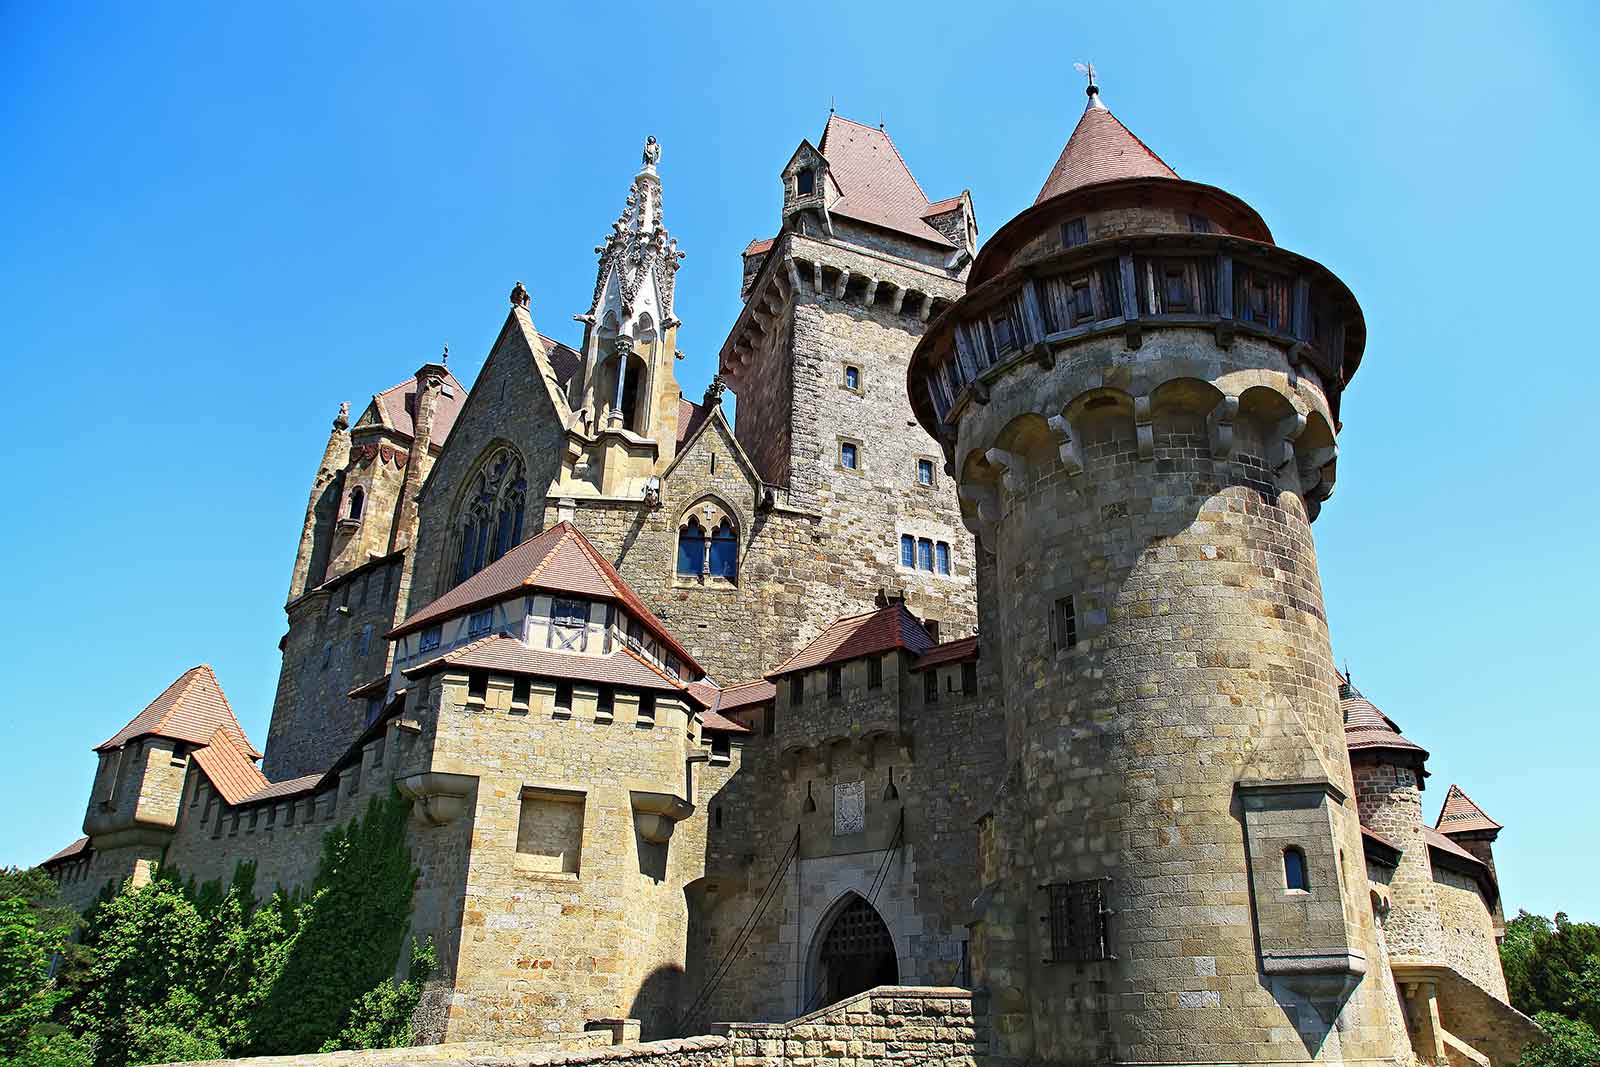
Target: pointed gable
x,y
1101,149
874,183
395,406
1461,816
559,560
191,709
860,635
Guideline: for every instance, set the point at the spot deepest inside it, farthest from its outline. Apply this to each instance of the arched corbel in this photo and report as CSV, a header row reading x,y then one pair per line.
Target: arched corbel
x,y
844,283
872,291
1220,424
792,272
899,299
1014,468
984,519
1286,433
1066,448
1144,426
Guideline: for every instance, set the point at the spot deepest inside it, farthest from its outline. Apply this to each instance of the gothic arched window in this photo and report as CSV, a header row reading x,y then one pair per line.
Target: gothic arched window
x,y
358,500
691,548
489,518
724,551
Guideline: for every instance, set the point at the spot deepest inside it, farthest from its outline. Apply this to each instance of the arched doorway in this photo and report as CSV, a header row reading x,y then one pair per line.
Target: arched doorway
x,y
854,952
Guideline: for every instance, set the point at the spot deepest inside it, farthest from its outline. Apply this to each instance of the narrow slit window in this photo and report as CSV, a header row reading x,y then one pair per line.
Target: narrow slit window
x,y
924,554
942,557
924,472
875,672
477,686
1066,624
908,550
835,682
969,679
797,690
1295,878
930,686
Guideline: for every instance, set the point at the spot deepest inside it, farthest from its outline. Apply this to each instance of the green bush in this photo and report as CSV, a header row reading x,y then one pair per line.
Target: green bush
x,y
1567,1043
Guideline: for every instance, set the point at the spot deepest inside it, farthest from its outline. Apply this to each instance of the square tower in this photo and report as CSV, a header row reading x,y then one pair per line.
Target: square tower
x,y
835,304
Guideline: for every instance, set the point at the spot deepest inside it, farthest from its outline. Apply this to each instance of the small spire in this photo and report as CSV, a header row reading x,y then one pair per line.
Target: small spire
x,y
830,105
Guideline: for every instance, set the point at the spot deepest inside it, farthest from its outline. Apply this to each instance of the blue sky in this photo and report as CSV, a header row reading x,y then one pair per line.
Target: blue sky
x,y
218,221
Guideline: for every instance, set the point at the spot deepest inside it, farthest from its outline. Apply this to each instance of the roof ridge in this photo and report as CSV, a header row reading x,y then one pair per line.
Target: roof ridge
x,y
677,682
892,147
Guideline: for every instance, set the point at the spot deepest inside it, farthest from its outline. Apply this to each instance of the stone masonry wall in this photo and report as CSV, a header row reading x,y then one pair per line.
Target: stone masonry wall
x,y
1466,923
1390,800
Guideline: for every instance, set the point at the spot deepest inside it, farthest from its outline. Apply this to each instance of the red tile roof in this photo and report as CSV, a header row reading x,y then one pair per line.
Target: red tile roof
x,y
191,709
949,652
287,788
1101,149
690,416
711,720
559,560
745,695
72,851
1439,841
941,206
758,246
511,656
564,359
875,183
1367,728
860,635
231,771
397,398
1460,815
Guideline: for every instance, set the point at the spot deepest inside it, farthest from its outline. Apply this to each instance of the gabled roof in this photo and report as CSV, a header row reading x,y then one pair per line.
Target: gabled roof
x,y
72,851
287,788
396,402
757,246
950,652
745,695
1101,149
191,709
564,359
1446,853
232,772
1461,816
690,416
860,635
559,560
1368,729
949,203
875,184
510,656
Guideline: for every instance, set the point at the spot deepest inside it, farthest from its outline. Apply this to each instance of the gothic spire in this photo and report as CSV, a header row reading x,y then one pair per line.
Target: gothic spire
x,y
639,258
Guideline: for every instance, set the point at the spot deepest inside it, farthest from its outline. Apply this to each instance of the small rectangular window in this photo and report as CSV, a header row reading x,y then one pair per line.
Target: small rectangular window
x,y
611,622
805,182
1175,288
721,749
797,690
565,612
924,472
924,554
674,668
605,705
1199,224
969,678
430,639
477,686
908,550
519,691
852,378
942,557
564,697
875,672
479,622
1077,921
835,682
1074,232
1082,301
930,686
848,458
636,635
647,709
1066,624
932,628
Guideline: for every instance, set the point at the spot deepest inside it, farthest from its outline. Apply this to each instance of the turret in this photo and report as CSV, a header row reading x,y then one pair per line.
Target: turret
x,y
1390,773
1137,399
1469,826
311,557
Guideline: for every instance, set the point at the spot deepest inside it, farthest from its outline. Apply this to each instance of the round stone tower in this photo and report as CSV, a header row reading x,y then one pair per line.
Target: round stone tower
x,y
1138,398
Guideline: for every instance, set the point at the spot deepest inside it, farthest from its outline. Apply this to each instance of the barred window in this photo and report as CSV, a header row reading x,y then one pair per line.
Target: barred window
x,y
1077,922
1064,622
930,686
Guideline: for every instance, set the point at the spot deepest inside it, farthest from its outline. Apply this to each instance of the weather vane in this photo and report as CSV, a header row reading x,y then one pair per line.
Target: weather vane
x,y
1087,70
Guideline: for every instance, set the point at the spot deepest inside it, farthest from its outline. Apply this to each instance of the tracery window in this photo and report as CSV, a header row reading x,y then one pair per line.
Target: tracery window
x,y
488,521
708,545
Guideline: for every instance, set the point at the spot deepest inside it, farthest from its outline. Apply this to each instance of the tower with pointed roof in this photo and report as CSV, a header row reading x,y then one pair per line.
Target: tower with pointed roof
x,y
1139,397
834,304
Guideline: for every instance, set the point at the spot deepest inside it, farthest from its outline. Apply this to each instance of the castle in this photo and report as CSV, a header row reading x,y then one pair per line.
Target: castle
x,y
985,652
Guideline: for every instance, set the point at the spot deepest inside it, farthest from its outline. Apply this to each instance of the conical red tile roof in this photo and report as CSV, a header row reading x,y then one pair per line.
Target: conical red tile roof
x,y
191,709
1101,149
1461,816
1367,728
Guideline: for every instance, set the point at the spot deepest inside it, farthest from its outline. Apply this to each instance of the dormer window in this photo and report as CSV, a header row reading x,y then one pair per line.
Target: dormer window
x,y
479,622
569,624
805,182
429,639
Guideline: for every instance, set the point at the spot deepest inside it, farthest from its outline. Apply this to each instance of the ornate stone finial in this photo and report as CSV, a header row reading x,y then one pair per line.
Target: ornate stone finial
x,y
714,391
519,296
624,346
652,152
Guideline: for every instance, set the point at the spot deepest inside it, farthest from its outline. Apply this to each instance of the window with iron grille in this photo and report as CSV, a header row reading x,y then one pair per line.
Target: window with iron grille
x,y
1065,624
930,686
1077,922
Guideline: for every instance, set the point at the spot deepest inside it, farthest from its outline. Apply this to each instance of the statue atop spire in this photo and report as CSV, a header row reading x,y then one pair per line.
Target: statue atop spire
x,y
638,258
652,151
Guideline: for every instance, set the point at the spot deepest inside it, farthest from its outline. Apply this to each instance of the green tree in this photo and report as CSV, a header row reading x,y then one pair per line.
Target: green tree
x,y
34,931
1566,1043
1553,966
